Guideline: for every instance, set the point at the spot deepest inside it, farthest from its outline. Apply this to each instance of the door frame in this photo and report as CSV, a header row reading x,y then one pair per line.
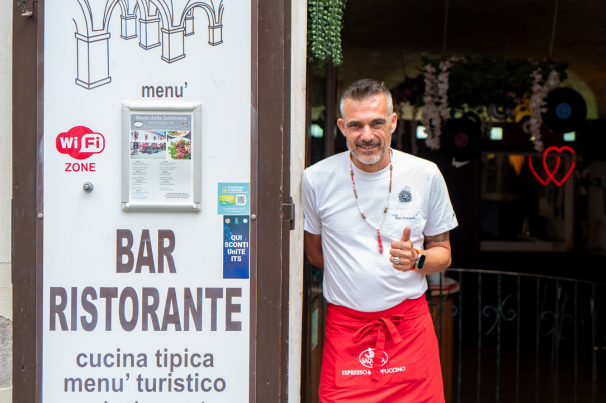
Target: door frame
x,y
271,155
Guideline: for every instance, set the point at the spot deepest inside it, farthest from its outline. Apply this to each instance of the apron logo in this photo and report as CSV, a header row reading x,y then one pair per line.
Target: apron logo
x,y
367,357
405,195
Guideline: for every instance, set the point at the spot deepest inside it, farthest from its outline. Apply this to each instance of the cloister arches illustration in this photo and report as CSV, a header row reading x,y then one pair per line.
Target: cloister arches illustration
x,y
156,23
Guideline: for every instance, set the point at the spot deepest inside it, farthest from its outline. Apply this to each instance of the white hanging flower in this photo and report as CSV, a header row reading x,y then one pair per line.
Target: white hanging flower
x,y
443,88
435,110
537,103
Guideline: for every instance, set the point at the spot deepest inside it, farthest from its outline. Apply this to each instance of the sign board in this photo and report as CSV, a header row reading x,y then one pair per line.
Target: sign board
x,y
146,279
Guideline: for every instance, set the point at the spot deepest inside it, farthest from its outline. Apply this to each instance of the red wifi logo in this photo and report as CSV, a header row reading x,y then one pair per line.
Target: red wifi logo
x,y
80,143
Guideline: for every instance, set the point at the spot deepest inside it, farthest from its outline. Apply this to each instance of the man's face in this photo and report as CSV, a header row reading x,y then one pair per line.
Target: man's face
x,y
367,125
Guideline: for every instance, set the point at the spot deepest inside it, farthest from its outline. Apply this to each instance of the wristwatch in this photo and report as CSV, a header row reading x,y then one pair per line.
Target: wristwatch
x,y
420,261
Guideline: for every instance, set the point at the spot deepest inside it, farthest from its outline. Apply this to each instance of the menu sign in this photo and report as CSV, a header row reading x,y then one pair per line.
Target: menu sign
x,y
160,151
161,160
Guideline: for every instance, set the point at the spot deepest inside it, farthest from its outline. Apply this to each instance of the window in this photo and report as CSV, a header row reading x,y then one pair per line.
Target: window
x,y
518,212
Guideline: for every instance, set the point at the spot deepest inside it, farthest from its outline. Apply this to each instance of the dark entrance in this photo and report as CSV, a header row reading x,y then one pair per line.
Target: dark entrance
x,y
323,139
547,342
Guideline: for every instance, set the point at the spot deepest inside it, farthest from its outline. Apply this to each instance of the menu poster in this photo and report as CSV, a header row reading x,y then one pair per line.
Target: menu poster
x,y
161,158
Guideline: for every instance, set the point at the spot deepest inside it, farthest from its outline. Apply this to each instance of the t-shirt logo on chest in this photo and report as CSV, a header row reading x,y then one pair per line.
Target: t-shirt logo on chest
x,y
405,195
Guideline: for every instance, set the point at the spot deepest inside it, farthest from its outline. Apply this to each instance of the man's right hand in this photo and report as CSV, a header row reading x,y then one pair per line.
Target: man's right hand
x,y
312,244
404,250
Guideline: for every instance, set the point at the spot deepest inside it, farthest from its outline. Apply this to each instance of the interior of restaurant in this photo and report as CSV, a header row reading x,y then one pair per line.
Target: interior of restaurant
x,y
532,224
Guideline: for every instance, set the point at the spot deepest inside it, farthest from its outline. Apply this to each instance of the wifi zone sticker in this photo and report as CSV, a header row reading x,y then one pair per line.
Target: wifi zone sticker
x,y
80,143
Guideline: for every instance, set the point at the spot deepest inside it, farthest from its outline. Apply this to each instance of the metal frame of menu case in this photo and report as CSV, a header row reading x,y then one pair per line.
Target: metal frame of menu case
x,y
159,108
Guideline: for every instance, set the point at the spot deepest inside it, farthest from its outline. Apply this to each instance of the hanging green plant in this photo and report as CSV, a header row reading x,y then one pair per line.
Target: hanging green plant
x,y
324,24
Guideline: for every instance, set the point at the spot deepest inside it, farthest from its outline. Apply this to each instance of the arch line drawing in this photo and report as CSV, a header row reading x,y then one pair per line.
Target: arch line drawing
x,y
157,23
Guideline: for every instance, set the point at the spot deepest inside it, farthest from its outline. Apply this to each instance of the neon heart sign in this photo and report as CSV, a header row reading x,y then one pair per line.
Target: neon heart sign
x,y
551,174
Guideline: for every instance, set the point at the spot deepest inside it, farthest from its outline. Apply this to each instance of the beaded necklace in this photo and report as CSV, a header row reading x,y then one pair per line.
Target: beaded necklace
x,y
386,204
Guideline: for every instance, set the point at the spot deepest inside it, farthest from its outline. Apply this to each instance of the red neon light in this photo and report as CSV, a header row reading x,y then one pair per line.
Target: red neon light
x,y
550,175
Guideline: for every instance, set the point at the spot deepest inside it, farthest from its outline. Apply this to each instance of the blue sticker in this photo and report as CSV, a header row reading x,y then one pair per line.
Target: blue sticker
x,y
236,246
233,198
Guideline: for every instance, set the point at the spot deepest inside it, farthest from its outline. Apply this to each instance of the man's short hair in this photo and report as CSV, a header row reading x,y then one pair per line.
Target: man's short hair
x,y
367,87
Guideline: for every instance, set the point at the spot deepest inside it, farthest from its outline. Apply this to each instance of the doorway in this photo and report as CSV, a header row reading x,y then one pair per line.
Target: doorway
x,y
322,140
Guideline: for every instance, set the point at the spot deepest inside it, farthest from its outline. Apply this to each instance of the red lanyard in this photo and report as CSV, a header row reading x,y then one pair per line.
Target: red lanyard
x,y
386,204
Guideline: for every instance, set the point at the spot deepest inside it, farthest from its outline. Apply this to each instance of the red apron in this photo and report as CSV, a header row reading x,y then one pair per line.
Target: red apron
x,y
403,337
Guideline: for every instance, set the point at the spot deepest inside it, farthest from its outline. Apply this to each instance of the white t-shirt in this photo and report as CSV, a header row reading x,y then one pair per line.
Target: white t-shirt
x,y
356,275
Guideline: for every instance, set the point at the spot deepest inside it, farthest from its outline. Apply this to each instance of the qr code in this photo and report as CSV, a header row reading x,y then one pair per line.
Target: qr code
x,y
240,200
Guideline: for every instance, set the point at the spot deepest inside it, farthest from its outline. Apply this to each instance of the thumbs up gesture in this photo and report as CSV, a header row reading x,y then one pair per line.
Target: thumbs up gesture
x,y
404,252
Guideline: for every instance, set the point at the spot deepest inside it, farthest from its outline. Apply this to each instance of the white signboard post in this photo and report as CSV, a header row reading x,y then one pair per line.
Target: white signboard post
x,y
147,194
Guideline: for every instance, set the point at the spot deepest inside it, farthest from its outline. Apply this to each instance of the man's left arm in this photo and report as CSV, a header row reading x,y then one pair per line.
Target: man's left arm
x,y
440,221
437,252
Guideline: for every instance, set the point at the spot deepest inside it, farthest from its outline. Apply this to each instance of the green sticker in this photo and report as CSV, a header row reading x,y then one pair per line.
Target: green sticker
x,y
233,199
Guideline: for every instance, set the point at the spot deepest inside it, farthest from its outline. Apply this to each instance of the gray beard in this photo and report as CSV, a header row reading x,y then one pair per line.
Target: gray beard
x,y
367,162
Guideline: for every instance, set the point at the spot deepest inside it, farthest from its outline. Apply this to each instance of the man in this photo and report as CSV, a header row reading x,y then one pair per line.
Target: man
x,y
380,344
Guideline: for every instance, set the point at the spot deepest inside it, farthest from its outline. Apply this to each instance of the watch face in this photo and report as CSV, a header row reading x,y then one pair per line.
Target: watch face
x,y
421,262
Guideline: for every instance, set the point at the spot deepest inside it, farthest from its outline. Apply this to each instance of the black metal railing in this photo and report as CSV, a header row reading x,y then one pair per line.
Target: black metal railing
x,y
518,337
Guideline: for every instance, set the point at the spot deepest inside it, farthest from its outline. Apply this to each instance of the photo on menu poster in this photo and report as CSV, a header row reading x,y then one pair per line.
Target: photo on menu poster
x,y
148,151
180,149
148,144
